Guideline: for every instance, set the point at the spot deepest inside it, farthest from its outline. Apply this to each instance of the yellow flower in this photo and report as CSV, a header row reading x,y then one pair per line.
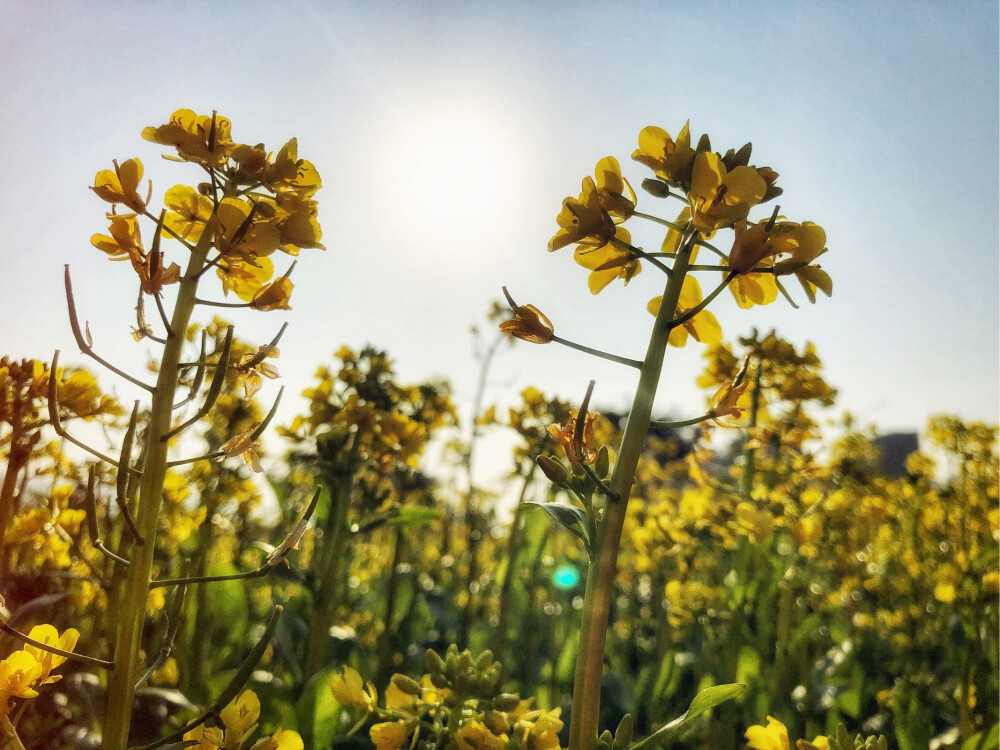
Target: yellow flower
x,y
189,212
48,635
18,673
729,401
474,735
752,289
811,243
283,739
204,139
704,326
349,690
529,324
121,185
612,188
240,717
608,262
945,592
244,278
719,198
583,220
208,738
273,296
389,735
772,737
245,231
669,159
564,435
244,445
125,240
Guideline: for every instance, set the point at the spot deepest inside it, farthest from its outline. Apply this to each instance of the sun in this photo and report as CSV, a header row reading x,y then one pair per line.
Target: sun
x,y
448,181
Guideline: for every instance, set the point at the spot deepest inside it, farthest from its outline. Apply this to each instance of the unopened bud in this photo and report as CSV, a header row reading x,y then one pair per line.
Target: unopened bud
x,y
606,741
438,680
496,722
506,702
623,735
656,188
406,684
603,463
485,660
552,469
435,664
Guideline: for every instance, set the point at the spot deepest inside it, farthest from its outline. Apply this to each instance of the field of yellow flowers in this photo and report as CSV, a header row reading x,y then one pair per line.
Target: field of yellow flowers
x,y
733,578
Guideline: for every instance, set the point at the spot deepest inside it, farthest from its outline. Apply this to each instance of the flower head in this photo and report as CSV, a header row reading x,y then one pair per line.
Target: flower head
x,y
583,220
203,139
703,326
18,674
669,159
349,690
48,635
609,262
719,197
122,185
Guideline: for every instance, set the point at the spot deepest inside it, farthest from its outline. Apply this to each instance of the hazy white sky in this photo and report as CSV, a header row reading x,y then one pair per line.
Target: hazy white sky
x,y
447,134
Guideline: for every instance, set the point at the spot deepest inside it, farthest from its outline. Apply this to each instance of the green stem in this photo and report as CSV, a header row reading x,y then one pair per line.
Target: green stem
x,y
749,454
132,614
658,220
598,353
328,573
603,570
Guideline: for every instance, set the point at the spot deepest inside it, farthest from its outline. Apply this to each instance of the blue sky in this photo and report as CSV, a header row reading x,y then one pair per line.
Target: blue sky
x,y
448,133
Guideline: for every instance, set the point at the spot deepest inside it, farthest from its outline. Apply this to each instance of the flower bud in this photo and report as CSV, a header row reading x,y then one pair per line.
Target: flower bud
x,y
552,469
623,735
435,664
406,684
606,741
485,660
506,702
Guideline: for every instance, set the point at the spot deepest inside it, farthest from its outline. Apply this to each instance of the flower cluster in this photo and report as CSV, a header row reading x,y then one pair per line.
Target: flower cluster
x,y
456,705
254,203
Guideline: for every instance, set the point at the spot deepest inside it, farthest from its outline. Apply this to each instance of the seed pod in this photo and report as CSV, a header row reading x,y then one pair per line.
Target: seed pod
x,y
406,684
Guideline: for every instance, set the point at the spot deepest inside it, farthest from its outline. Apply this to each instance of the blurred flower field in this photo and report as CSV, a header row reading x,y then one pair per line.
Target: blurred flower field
x,y
743,575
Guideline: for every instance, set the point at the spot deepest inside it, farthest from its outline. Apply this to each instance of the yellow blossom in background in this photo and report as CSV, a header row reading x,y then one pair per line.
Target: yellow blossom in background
x,y
350,690
474,735
772,737
389,735
240,717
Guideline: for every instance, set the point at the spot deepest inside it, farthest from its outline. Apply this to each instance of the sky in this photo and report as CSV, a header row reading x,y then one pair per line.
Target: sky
x,y
447,135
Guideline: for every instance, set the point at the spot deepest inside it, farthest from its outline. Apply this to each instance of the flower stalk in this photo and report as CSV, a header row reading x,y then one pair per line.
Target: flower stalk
x,y
603,569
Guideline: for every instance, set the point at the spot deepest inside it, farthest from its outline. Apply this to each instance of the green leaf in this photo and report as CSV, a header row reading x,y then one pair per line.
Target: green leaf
x,y
411,516
705,700
571,518
985,740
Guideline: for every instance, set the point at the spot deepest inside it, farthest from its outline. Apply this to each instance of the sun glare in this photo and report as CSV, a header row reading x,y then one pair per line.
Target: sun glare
x,y
448,182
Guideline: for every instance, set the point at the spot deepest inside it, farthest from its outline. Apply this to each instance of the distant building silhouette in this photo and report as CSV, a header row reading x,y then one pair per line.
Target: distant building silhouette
x,y
893,450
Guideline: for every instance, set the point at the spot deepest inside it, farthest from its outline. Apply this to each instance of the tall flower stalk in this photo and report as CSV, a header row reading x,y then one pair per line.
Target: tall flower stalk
x,y
718,192
253,204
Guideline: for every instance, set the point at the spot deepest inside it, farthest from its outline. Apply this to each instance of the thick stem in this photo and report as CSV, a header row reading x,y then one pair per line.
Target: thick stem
x,y
601,575
17,457
385,665
513,550
132,614
329,571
